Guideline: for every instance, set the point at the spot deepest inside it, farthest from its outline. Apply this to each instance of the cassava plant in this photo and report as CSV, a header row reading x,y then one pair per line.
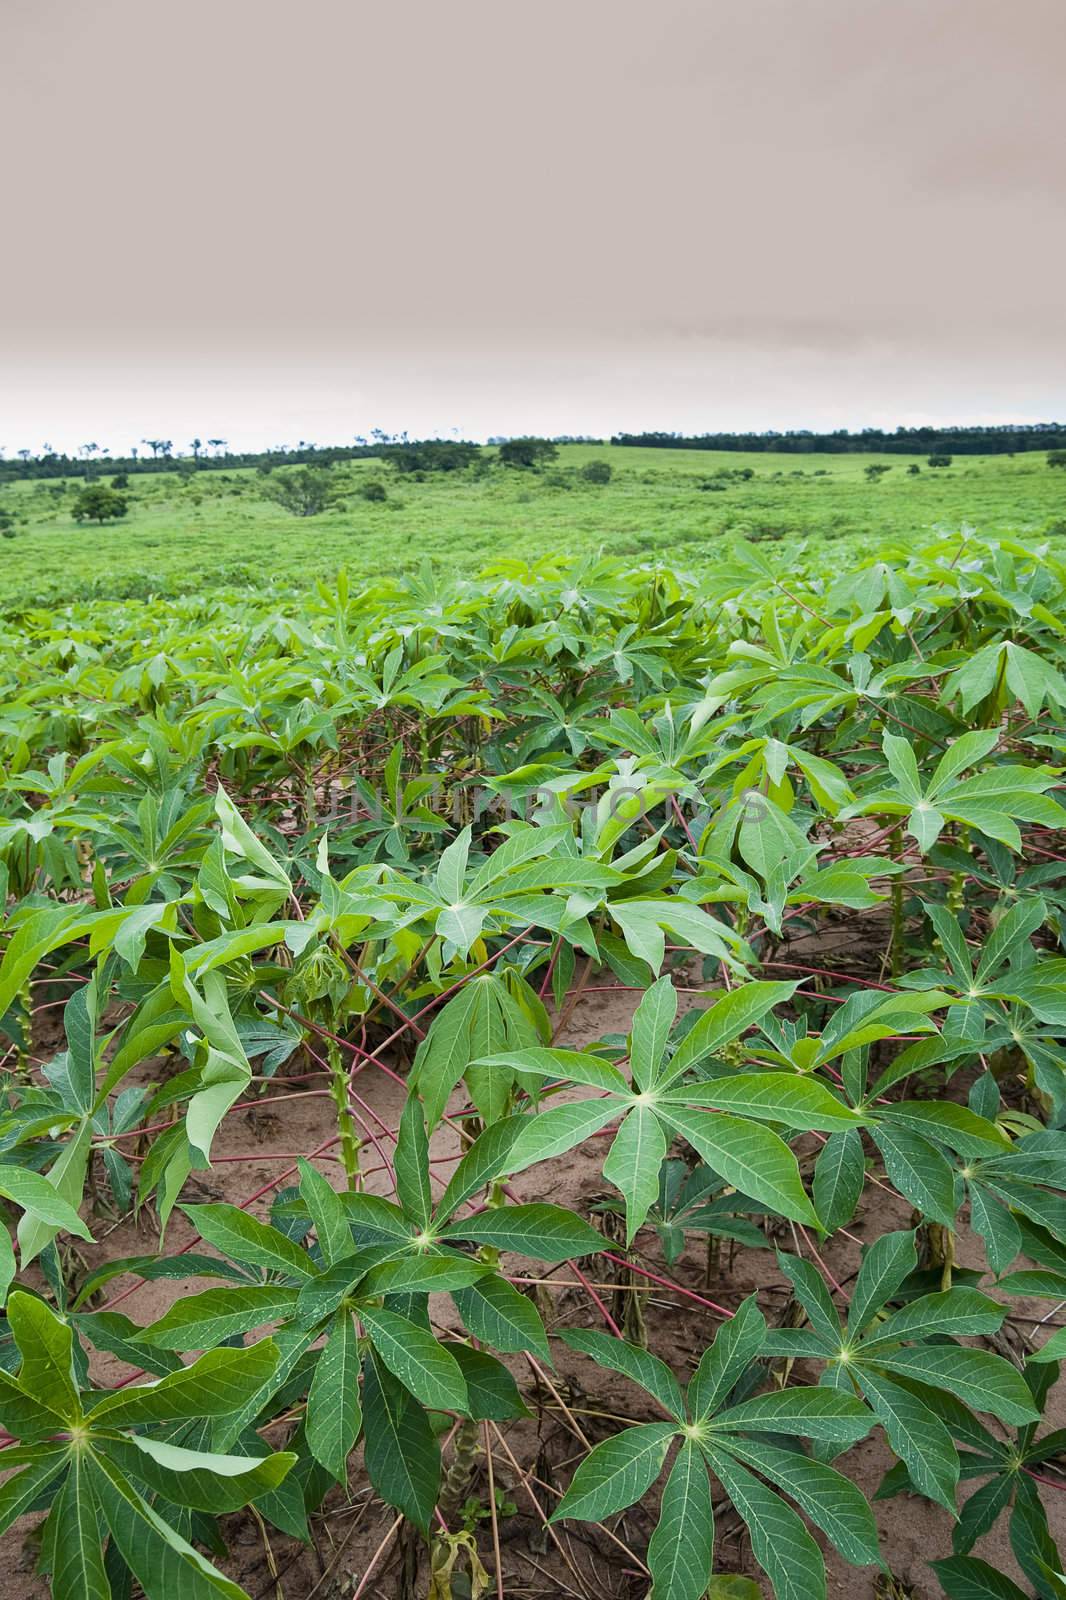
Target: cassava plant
x,y
347,877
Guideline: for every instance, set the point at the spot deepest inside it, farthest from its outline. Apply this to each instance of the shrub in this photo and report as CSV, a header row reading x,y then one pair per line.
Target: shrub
x,y
432,455
98,503
374,490
527,453
940,461
597,472
1056,458
305,491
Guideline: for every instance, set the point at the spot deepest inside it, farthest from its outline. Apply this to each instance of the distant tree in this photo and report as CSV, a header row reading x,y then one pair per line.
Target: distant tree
x,y
305,491
431,455
217,445
596,472
24,455
196,445
527,452
98,503
121,480
1056,458
154,445
940,461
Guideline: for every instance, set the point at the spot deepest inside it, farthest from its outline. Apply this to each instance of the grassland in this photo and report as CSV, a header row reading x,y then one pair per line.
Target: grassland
x,y
192,531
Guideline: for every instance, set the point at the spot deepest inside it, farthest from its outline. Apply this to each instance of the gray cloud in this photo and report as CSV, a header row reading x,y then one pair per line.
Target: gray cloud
x,y
765,212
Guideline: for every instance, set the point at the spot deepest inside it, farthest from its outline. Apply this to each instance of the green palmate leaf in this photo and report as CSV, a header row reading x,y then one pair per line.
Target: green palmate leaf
x,y
1052,1285
722,1364
839,1174
552,1133
546,1232
152,1268
633,1362
491,1390
781,1544
372,1222
198,1478
292,1344
750,1158
245,1239
728,1587
952,1312
327,1214
903,766
919,1171
980,1379
40,1200
495,1023
42,932
321,1296
451,868
159,1558
411,1274
884,1266
77,1546
413,1356
617,1472
633,1164
832,1501
815,1299
956,1126
219,1382
981,1512
402,1456
239,840
334,1415
917,1436
966,1578
483,1162
817,1413
652,1021
79,1025
23,1416
47,1347
8,1264
800,1103
1054,1349
574,1065
204,1320
20,1491
412,1165
681,1548
497,1314
444,1054
726,1020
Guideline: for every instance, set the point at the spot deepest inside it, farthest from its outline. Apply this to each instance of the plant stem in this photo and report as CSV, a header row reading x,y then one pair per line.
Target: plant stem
x,y
345,1120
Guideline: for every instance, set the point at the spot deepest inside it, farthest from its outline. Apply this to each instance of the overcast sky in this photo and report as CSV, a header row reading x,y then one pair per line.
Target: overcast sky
x,y
266,221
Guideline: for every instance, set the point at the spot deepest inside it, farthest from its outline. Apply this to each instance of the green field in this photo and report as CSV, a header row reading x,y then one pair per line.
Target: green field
x,y
189,531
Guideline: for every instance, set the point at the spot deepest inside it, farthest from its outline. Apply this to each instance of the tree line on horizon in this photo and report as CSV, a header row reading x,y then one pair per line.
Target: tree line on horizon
x,y
998,439
160,455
